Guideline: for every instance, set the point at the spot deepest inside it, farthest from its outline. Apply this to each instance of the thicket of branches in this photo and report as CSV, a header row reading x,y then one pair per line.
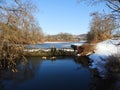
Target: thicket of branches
x,y
102,27
17,16
17,27
114,5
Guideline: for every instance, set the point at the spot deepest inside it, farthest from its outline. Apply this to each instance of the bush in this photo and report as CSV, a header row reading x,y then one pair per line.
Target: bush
x,y
10,54
113,64
102,27
86,48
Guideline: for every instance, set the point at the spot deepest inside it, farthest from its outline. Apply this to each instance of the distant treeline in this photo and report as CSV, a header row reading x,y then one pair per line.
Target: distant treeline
x,y
67,37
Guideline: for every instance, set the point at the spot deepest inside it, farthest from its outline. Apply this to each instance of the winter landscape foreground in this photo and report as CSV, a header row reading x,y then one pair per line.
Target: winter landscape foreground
x,y
103,50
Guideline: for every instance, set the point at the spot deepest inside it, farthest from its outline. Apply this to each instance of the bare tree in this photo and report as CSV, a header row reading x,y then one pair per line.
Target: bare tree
x,y
114,5
16,23
102,27
20,15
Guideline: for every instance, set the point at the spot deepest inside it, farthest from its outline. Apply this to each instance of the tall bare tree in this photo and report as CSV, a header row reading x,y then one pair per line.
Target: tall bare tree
x,y
102,27
19,13
16,23
114,6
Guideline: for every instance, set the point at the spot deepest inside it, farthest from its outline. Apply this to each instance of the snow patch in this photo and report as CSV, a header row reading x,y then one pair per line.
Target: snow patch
x,y
102,51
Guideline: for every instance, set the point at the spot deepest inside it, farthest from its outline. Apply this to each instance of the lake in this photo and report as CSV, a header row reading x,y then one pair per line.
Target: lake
x,y
61,74
64,73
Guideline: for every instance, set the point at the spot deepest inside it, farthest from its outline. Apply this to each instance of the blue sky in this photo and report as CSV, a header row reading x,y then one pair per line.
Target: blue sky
x,y
67,16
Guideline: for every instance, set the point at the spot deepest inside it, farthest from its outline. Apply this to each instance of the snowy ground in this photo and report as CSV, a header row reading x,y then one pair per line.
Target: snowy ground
x,y
102,51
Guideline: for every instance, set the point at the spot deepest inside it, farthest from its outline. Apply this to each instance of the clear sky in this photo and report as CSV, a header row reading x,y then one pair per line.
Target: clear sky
x,y
67,16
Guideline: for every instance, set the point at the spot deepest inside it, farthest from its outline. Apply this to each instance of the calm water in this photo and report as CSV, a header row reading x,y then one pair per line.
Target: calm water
x,y
60,74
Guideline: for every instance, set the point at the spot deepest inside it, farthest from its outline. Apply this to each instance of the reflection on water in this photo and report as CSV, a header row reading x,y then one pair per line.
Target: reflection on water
x,y
60,74
84,61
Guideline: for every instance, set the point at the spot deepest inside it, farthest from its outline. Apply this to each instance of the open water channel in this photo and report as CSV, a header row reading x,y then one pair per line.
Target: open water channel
x,y
64,73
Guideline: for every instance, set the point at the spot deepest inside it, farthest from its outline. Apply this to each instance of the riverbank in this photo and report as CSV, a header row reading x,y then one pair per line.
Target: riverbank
x,y
102,52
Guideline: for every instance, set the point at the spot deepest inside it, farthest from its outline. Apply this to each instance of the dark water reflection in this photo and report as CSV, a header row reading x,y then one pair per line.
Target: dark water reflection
x,y
61,74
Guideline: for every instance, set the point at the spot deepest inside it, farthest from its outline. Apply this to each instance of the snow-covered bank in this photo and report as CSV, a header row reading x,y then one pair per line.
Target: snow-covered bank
x,y
102,51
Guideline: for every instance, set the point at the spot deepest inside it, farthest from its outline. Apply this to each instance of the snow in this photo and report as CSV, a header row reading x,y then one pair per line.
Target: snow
x,y
102,51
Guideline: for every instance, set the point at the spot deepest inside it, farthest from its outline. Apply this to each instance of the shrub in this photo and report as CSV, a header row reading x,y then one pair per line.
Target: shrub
x,y
113,64
86,48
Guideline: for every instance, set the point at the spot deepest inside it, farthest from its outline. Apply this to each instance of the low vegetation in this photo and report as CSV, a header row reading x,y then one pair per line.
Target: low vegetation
x,y
113,64
86,49
10,54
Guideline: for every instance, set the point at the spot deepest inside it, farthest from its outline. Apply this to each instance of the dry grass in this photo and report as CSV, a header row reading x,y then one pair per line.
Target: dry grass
x,y
87,48
10,54
113,64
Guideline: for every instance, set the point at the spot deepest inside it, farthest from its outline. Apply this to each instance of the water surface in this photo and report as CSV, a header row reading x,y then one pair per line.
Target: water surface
x,y
65,73
60,74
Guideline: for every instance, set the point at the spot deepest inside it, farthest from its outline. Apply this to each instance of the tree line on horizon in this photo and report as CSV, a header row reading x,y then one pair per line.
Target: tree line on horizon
x,y
65,37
